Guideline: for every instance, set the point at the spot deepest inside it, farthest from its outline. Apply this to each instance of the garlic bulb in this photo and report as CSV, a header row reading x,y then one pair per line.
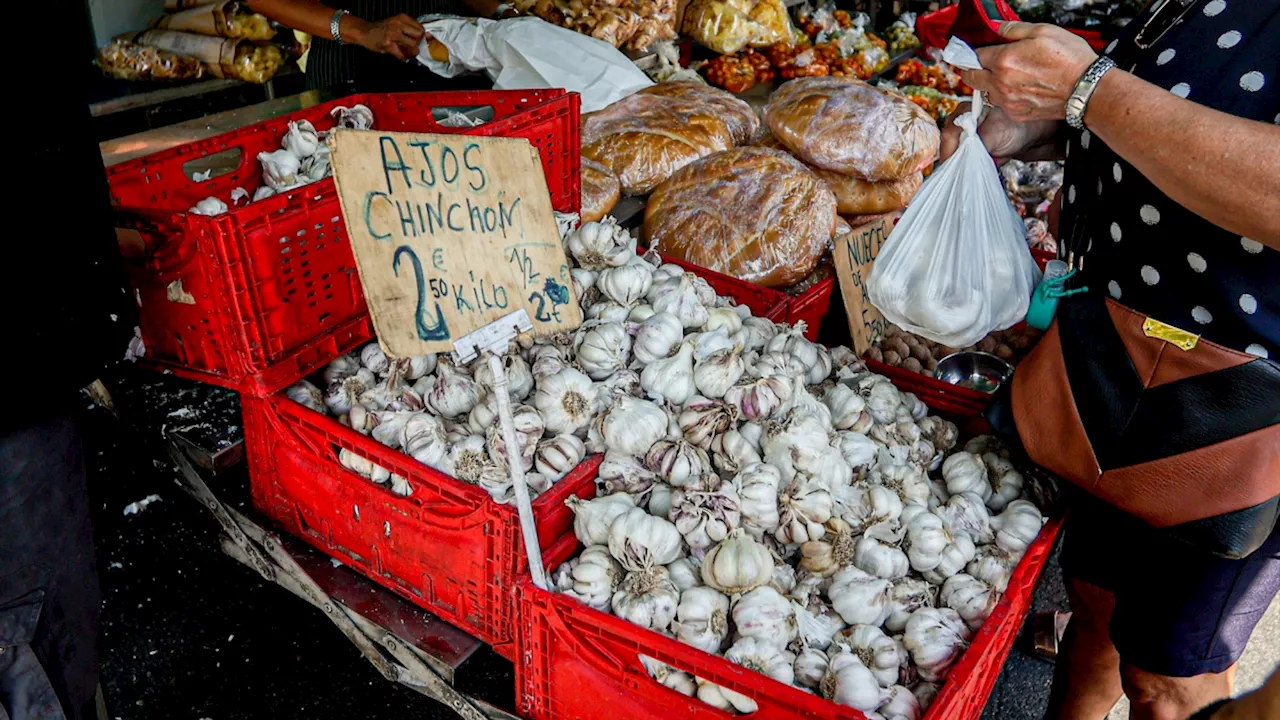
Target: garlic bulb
x,y
816,628
756,486
715,374
848,682
659,504
877,651
631,426
1017,527
804,504
858,450
1006,481
731,452
907,596
647,598
926,693
706,344
602,348
467,459
815,358
701,288
682,301
723,698
453,394
667,676
863,505
900,704
607,311
894,471
484,415
681,463
964,472
783,579
556,456
209,206
670,379
764,657
623,383
993,565
765,614
810,667
600,245
496,443
942,433
756,333
737,564
343,367
657,337
778,364
702,619
759,398
519,376
425,441
641,541
566,400
685,574
860,598
971,598
935,638
546,360
705,518
824,557
935,550
725,319
626,285
306,395
593,518
640,313
848,408
279,169
703,420
966,513
883,399
877,552
342,394
596,577
798,441
583,280
620,472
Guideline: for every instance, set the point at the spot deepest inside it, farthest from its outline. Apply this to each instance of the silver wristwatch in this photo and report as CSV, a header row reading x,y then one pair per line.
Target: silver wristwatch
x,y
1084,90
335,26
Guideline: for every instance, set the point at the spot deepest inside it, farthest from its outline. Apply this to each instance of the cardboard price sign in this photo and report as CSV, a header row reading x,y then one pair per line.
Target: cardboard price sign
x,y
854,254
450,233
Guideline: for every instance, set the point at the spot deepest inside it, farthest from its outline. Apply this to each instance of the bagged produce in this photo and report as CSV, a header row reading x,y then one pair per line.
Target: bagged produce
x,y
754,213
956,266
727,26
124,60
741,119
645,138
600,190
222,19
847,126
222,57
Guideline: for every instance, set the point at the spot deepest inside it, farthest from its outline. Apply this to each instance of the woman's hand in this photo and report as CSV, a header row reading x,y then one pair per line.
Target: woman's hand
x,y
1003,136
397,36
1031,77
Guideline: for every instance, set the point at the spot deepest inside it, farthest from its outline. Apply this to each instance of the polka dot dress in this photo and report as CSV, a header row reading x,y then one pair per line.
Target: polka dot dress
x,y
1152,254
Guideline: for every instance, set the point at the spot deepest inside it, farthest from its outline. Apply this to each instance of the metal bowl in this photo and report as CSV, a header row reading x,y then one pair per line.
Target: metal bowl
x,y
978,371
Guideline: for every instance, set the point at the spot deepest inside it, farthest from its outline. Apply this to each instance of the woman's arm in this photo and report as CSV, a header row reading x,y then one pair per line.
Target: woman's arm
x,y
397,36
1223,168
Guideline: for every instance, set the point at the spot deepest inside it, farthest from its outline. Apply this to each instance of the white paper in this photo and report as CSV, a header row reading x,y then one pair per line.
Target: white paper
x,y
958,53
530,53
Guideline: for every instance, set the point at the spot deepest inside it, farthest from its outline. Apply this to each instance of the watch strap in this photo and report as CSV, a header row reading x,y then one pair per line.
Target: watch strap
x,y
1078,101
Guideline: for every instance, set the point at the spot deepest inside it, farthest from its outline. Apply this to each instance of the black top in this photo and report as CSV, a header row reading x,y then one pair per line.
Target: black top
x,y
330,64
1147,251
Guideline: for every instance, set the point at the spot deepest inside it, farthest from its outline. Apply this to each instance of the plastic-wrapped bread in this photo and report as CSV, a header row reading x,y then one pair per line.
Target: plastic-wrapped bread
x,y
727,26
754,213
600,190
855,196
738,115
644,138
844,125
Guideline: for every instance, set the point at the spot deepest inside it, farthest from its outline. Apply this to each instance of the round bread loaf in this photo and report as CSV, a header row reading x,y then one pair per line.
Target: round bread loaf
x,y
844,125
855,196
754,213
600,190
741,119
644,138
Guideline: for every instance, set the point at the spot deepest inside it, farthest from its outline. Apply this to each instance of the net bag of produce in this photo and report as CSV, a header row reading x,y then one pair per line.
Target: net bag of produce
x,y
957,265
727,26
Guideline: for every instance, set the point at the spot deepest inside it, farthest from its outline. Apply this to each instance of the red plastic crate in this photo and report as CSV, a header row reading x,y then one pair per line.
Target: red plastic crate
x,y
581,664
764,302
939,395
447,548
812,306
257,297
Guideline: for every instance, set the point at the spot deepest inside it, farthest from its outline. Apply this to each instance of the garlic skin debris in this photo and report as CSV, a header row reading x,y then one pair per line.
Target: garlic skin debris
x,y
702,619
647,598
593,518
737,564
566,400
935,637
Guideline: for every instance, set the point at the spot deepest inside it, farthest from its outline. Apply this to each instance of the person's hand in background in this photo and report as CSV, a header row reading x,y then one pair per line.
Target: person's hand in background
x,y
1003,136
1031,77
397,36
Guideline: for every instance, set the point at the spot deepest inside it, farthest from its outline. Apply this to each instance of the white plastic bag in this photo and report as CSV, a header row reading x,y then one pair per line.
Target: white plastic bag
x,y
957,265
530,53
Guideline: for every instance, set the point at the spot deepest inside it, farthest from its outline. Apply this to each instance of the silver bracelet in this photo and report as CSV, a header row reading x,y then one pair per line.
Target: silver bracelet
x,y
1078,102
335,26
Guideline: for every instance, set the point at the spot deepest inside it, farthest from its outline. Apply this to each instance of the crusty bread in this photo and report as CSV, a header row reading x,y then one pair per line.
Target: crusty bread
x,y
754,213
600,190
738,115
844,125
855,196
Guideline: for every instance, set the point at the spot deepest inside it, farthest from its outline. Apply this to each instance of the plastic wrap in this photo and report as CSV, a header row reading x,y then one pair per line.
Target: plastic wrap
x,y
643,139
727,26
222,57
847,126
741,119
633,24
754,213
124,60
222,19
855,196
600,191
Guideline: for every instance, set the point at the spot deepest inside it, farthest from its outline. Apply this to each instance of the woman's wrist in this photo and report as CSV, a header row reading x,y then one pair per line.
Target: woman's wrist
x,y
354,30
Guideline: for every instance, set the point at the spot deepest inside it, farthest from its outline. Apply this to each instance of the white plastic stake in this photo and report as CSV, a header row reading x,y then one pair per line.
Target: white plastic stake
x,y
527,526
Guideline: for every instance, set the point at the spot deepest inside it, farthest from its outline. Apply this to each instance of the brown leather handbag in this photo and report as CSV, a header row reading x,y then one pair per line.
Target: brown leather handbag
x,y
1166,426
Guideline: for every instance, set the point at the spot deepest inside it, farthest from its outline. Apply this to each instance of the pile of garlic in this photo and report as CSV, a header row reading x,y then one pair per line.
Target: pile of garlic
x,y
765,498
303,158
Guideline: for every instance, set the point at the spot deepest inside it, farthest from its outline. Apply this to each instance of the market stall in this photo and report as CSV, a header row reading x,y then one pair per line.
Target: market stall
x,y
608,450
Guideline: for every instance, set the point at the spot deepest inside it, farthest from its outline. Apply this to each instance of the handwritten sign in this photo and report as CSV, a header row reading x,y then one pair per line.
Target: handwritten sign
x,y
450,233
854,254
